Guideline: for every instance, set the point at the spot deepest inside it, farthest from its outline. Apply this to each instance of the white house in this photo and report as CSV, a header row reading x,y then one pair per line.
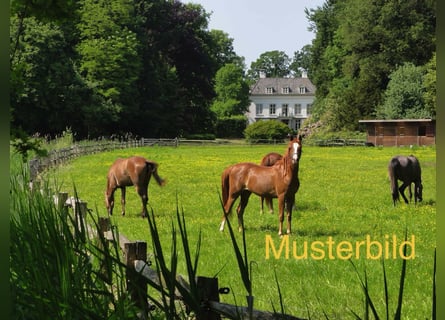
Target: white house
x,y
288,100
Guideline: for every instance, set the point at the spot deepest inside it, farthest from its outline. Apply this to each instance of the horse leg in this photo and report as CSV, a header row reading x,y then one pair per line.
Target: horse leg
x,y
280,214
227,209
143,193
269,202
290,201
402,191
123,191
262,205
240,210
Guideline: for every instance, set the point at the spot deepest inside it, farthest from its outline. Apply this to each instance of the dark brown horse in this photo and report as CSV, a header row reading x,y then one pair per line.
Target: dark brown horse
x,y
133,171
269,160
407,170
279,181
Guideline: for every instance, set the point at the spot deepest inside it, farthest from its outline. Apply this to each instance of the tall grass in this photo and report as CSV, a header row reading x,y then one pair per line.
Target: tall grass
x,y
56,270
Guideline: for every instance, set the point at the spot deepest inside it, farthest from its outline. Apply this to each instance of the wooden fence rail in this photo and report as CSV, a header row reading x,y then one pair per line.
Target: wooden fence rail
x,y
61,156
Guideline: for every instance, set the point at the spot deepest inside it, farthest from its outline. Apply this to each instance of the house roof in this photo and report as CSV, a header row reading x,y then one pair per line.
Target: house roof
x,y
395,120
294,85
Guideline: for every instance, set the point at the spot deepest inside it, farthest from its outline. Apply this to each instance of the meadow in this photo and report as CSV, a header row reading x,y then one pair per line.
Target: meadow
x,y
344,197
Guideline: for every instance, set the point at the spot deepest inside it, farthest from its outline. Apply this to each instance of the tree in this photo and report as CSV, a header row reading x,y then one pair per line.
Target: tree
x,y
429,86
232,92
223,49
47,94
358,45
404,95
301,61
272,63
110,61
178,46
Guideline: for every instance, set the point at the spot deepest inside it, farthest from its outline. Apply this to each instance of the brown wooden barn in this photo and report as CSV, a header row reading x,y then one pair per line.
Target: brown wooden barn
x,y
403,132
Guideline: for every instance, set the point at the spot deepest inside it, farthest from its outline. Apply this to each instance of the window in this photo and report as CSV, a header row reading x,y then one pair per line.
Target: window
x,y
302,89
297,108
285,90
269,90
309,108
284,110
259,109
298,123
272,108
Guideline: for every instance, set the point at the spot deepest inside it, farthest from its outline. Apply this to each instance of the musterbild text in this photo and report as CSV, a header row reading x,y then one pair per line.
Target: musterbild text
x,y
387,247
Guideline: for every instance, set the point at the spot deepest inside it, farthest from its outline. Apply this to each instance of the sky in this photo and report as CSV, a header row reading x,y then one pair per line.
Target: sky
x,y
258,26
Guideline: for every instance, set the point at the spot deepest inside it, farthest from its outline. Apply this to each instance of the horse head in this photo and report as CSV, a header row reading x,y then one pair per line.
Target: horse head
x,y
295,149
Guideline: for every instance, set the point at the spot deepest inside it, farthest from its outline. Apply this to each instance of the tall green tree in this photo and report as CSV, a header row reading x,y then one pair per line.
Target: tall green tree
x,y
110,61
46,94
404,97
177,44
358,45
324,64
273,63
301,61
223,49
232,92
429,85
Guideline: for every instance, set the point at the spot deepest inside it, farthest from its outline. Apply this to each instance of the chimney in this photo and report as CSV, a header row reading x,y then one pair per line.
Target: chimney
x,y
262,74
303,73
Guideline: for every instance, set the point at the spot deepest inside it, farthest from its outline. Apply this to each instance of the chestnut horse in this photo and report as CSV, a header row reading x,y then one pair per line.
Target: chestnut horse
x,y
279,181
406,169
269,160
133,171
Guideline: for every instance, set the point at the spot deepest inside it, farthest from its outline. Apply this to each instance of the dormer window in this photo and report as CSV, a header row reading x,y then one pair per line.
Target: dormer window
x,y
285,90
269,90
302,90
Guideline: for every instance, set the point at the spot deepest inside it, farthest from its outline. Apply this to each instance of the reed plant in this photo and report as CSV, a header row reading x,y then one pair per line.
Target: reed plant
x,y
57,271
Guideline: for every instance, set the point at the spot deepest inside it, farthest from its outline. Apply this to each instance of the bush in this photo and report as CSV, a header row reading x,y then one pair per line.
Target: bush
x,y
231,127
266,130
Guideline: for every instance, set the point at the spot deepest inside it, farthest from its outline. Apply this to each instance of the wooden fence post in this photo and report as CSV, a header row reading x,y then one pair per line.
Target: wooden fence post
x,y
208,291
136,284
61,202
104,224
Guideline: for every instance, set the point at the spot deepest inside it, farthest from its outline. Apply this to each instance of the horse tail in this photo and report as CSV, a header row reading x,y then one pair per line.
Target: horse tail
x,y
153,168
225,185
392,177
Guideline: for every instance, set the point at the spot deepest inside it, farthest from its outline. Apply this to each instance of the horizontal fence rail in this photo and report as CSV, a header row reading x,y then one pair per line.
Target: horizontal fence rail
x,y
339,142
61,156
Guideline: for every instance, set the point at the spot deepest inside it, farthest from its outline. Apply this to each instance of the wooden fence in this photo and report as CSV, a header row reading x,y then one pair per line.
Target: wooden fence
x,y
340,142
60,156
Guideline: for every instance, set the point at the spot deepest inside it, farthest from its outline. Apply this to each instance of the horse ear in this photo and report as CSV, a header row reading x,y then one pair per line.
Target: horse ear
x,y
290,136
300,137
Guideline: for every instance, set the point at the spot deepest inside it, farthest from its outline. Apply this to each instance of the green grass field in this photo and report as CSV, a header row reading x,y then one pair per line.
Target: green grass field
x,y
344,197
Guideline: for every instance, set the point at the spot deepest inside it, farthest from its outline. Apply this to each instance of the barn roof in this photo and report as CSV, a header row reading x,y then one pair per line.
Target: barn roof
x,y
395,120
